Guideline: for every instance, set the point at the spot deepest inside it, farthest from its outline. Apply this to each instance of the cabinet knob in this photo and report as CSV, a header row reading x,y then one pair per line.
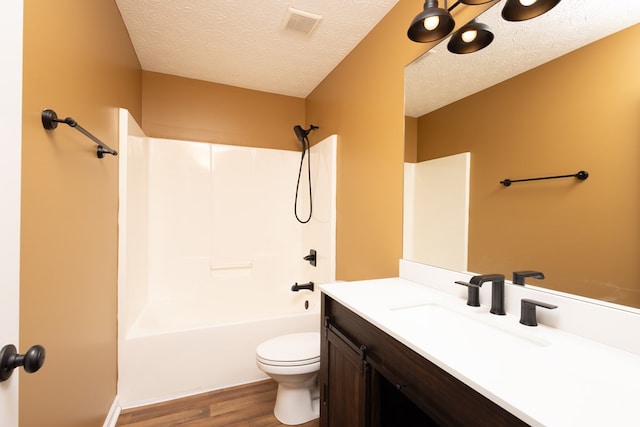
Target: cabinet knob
x,y
400,386
32,360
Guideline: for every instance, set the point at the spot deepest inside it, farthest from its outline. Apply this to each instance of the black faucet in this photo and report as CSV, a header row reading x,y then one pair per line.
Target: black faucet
x,y
307,286
519,276
497,290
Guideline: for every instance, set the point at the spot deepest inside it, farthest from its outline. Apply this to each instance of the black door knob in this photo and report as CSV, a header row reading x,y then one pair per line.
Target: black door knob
x,y
32,360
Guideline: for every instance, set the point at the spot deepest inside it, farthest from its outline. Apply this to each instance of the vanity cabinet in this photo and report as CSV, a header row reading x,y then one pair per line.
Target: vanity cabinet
x,y
370,379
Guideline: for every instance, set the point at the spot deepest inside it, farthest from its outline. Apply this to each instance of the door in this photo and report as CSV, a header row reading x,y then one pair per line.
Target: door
x,y
10,154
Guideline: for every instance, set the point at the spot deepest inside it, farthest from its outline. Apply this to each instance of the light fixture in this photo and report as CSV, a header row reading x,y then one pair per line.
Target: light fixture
x,y
432,24
478,2
521,10
470,38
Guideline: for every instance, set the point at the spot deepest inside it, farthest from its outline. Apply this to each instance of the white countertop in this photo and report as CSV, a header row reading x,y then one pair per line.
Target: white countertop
x,y
543,375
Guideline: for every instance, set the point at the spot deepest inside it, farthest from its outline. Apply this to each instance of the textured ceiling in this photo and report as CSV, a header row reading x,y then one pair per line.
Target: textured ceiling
x,y
240,43
439,77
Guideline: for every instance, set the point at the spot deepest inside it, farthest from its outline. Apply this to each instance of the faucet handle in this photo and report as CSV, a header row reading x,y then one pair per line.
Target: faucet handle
x,y
473,295
312,257
528,311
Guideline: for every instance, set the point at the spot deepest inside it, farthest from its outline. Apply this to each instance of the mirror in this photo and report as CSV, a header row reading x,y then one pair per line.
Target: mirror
x,y
577,108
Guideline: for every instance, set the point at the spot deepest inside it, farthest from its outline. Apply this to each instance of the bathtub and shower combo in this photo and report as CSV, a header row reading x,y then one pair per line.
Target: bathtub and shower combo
x,y
209,249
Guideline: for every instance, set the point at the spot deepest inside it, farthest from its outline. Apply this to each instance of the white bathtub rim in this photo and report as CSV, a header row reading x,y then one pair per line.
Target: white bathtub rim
x,y
137,332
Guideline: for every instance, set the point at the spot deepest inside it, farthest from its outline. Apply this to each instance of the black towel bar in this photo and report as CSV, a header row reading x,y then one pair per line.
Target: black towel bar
x,y
50,121
581,175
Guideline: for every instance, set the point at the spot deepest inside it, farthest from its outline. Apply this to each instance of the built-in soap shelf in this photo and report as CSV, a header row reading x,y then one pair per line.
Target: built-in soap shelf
x,y
238,266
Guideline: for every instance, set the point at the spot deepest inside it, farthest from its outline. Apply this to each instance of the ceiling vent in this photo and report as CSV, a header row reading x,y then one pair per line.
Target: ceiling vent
x,y
300,21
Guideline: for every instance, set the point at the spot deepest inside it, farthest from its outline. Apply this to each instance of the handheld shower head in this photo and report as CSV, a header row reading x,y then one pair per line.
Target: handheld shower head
x,y
302,134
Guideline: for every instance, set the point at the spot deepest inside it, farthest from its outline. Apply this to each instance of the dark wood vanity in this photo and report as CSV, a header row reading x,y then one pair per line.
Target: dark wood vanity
x,y
368,378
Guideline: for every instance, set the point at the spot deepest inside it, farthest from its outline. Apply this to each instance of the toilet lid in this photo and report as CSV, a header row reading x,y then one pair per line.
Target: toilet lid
x,y
291,349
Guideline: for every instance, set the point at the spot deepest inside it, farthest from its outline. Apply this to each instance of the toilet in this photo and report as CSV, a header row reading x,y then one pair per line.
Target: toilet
x,y
293,361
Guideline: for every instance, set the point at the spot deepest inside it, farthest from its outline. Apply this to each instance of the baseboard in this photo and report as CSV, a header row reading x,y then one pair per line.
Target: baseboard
x,y
114,413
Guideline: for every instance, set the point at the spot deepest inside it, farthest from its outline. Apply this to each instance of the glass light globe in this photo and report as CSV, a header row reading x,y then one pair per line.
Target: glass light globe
x,y
527,2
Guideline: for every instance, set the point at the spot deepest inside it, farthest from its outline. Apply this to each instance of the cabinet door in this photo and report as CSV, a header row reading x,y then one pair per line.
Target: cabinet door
x,y
344,382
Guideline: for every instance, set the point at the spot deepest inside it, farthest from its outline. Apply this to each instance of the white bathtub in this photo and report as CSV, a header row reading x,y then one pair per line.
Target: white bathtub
x,y
189,346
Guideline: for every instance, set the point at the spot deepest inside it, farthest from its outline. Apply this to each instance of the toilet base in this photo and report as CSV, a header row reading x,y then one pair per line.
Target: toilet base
x,y
296,405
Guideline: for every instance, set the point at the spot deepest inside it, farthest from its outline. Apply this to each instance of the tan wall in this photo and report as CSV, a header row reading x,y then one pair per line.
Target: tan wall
x,y
78,60
362,101
578,112
410,139
181,108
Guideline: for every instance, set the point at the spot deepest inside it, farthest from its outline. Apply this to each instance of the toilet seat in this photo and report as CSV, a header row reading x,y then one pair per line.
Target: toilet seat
x,y
290,350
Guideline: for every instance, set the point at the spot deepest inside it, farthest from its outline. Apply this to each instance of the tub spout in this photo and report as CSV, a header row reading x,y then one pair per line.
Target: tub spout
x,y
307,286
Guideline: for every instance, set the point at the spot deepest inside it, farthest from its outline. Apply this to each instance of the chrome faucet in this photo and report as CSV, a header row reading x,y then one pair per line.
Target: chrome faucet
x,y
497,290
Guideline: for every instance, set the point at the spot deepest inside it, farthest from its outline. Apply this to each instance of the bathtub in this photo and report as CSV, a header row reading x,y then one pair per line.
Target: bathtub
x,y
190,345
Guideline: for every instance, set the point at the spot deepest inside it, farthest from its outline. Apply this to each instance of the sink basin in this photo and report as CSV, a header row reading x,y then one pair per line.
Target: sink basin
x,y
473,330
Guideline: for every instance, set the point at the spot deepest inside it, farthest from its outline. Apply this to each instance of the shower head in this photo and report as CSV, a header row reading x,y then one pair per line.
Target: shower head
x,y
302,134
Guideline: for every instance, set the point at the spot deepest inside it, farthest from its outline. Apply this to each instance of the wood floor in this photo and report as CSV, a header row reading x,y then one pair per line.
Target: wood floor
x,y
249,405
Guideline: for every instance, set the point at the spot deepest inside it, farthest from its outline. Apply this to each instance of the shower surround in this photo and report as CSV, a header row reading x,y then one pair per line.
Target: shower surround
x,y
208,251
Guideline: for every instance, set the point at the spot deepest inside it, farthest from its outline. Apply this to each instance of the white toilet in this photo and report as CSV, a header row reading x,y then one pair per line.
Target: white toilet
x,y
293,361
